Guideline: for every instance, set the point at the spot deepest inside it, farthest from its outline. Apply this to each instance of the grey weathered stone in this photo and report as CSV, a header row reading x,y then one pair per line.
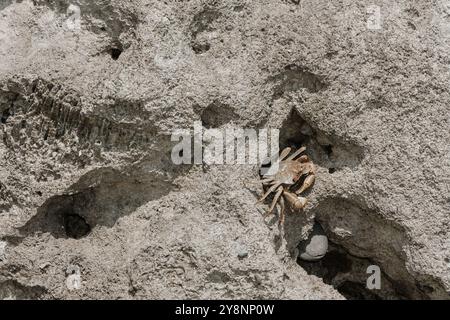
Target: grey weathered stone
x,y
86,118
315,247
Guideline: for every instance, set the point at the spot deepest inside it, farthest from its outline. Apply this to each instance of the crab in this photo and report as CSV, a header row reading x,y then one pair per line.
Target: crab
x,y
286,179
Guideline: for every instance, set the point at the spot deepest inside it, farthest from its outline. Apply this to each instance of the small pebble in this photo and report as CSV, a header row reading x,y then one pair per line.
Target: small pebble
x,y
243,253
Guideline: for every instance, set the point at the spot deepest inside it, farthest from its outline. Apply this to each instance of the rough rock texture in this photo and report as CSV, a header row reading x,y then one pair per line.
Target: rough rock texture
x,y
89,99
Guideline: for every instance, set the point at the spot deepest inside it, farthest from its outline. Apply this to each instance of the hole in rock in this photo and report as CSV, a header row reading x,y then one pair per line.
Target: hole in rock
x,y
344,272
104,195
115,53
324,150
76,226
63,216
200,47
359,237
217,114
5,115
328,149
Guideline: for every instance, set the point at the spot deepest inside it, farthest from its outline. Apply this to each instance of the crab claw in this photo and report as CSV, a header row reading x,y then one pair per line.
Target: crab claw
x,y
307,183
295,202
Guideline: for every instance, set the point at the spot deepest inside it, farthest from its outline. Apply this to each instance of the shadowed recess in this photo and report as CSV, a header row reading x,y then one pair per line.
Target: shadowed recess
x,y
102,197
358,238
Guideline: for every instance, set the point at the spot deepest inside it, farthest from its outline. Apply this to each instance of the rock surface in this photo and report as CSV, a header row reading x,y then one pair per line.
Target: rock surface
x,y
90,92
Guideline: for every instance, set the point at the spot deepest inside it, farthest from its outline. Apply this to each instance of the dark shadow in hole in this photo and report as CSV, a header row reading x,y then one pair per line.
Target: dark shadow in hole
x,y
295,132
76,226
346,274
328,149
356,291
115,53
333,263
62,216
366,238
200,46
5,115
333,154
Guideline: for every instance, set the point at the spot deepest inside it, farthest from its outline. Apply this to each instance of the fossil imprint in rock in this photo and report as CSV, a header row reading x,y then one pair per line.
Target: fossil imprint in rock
x,y
287,181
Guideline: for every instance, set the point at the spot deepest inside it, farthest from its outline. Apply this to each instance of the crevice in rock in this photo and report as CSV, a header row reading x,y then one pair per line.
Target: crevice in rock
x,y
13,290
115,50
63,216
359,237
326,151
102,197
347,273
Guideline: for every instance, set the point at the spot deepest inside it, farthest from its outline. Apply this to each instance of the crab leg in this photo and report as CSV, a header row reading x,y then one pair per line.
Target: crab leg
x,y
281,219
307,183
275,200
284,153
268,180
271,189
297,203
296,153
